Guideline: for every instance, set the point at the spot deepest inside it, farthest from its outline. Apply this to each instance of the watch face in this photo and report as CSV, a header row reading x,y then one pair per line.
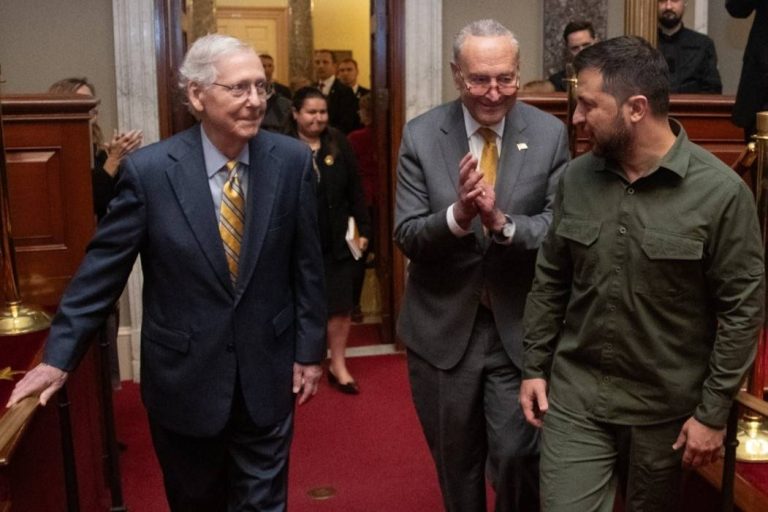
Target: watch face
x,y
508,230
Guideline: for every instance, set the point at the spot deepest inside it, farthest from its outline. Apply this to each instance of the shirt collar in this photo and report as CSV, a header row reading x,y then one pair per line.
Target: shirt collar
x,y
471,125
215,159
676,160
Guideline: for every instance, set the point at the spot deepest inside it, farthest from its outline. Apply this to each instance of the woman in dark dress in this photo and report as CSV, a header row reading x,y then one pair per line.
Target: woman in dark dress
x,y
340,196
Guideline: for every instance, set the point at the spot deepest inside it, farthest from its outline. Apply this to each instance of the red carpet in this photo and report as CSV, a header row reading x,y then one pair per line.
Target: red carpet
x,y
369,447
364,334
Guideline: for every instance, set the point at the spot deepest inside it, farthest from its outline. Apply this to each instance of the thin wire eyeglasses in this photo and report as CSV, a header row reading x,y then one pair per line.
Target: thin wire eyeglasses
x,y
479,85
240,89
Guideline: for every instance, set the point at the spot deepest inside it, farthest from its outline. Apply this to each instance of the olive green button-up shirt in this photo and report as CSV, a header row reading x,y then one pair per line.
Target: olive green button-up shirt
x,y
648,297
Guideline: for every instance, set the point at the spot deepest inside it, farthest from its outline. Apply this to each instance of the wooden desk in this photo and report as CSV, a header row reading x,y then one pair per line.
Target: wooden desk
x,y
49,157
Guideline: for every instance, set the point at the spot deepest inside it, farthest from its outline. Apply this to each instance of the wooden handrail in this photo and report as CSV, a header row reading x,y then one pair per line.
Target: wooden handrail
x,y
753,403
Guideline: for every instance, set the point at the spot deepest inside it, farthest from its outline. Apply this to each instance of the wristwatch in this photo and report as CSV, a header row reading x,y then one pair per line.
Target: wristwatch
x,y
505,234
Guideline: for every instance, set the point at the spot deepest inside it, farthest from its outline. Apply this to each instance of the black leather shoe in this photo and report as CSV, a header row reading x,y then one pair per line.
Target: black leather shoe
x,y
350,388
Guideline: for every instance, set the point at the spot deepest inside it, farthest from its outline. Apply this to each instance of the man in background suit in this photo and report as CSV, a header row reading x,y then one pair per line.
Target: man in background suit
x,y
269,70
752,96
690,56
577,35
342,103
347,73
472,246
233,324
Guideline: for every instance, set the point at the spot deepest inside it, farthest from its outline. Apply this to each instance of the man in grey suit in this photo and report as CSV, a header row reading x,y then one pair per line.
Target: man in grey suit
x,y
224,217
472,245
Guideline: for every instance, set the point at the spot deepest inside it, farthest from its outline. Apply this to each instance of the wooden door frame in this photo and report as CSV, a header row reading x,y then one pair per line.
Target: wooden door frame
x,y
281,17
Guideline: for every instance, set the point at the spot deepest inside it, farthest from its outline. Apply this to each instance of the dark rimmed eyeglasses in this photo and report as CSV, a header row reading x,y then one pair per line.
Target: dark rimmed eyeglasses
x,y
240,89
479,85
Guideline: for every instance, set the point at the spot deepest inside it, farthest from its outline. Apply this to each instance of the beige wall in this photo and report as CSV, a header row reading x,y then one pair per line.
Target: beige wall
x,y
43,41
730,36
345,25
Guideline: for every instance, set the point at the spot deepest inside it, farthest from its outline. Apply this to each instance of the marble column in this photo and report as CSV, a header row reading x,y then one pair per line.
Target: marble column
x,y
641,19
203,18
424,58
137,107
301,41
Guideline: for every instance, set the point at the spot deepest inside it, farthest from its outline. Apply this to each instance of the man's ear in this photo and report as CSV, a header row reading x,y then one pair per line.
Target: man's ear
x,y
456,79
638,107
194,96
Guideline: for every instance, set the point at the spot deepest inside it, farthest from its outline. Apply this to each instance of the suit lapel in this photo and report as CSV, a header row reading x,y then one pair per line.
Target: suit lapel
x,y
189,181
453,143
512,159
263,179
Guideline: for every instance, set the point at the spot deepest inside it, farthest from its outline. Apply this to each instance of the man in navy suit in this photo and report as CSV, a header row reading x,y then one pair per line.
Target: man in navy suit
x,y
225,351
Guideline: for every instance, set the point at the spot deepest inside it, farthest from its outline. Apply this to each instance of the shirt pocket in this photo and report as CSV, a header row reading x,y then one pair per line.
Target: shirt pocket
x,y
581,235
670,264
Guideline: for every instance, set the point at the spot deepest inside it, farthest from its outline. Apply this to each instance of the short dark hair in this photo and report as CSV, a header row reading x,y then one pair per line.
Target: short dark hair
x,y
578,26
330,52
297,102
629,65
266,56
349,59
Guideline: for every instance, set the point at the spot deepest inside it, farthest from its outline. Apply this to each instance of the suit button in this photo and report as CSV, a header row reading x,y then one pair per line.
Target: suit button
x,y
230,347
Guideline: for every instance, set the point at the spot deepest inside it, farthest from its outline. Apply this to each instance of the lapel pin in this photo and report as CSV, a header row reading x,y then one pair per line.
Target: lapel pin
x,y
521,146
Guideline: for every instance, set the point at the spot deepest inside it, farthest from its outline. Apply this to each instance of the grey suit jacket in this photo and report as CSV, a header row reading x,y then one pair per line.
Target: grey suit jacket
x,y
446,273
200,333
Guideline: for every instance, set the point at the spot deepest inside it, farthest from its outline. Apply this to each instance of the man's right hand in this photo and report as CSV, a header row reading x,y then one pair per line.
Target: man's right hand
x,y
465,209
43,379
533,400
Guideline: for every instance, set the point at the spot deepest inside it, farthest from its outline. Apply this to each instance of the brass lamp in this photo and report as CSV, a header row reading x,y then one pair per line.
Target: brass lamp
x,y
15,316
752,433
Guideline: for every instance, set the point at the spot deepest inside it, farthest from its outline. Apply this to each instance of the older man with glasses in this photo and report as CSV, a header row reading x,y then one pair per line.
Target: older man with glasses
x,y
476,181
224,218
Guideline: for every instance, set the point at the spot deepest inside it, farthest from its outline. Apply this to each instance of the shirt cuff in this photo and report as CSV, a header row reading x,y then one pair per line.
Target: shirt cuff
x,y
457,230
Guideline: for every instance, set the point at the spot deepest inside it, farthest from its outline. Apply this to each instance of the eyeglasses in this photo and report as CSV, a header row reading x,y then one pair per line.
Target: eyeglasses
x,y
479,85
240,89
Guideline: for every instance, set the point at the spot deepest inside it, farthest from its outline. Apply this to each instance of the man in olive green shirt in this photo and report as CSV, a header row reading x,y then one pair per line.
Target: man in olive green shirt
x,y
647,301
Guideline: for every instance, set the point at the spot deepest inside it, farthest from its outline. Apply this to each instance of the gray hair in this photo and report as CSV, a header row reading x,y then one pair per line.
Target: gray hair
x,y
199,64
482,28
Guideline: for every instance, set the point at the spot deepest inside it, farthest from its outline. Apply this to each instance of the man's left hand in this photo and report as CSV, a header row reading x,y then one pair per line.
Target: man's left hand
x,y
306,378
702,443
490,216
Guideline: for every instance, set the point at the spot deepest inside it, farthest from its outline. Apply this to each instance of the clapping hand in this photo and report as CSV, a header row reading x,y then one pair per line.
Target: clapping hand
x,y
120,145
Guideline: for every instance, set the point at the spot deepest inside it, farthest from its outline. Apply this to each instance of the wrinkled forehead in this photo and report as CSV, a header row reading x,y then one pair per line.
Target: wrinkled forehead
x,y
492,57
243,64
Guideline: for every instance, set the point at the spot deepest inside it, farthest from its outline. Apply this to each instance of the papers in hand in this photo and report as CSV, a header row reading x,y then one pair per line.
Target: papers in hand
x,y
353,238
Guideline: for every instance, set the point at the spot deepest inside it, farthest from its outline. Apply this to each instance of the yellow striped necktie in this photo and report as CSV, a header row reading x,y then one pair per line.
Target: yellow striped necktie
x,y
489,159
232,221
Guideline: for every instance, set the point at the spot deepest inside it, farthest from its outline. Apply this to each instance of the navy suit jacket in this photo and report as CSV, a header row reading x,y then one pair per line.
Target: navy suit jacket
x,y
342,107
199,332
